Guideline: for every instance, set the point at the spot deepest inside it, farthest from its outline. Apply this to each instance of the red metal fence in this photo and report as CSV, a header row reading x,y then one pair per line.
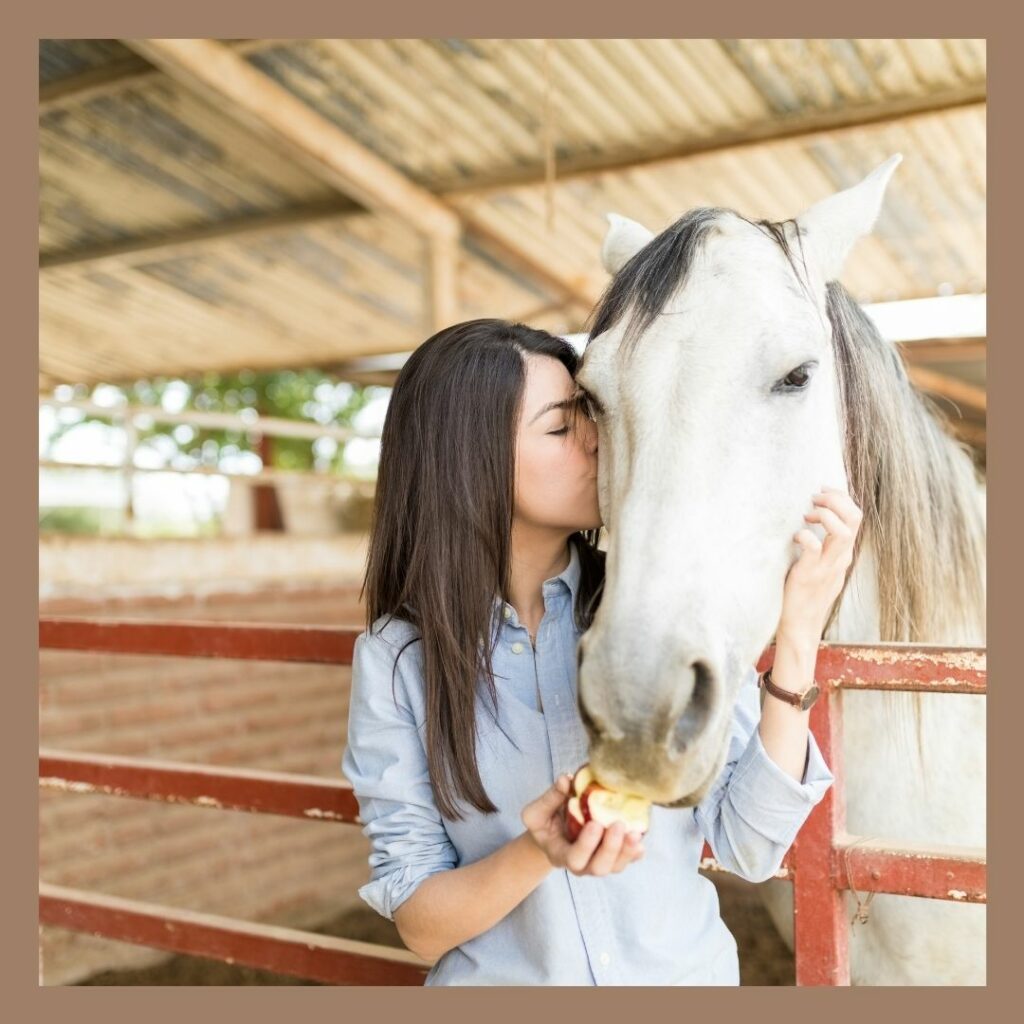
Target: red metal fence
x,y
822,863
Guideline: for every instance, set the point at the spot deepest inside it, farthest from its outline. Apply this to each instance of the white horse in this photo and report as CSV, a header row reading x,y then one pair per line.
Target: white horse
x,y
731,376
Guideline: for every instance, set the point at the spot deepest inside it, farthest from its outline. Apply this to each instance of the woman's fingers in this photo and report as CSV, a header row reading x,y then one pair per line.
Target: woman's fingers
x,y
632,849
838,535
840,517
578,857
607,855
536,813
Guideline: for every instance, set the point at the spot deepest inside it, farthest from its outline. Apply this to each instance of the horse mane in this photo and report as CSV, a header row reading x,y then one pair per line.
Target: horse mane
x,y
916,484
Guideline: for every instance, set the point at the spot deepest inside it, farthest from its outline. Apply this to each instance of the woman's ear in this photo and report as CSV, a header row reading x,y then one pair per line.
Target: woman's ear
x,y
625,238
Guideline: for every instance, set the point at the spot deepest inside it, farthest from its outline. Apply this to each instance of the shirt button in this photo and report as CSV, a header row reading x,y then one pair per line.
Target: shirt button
x,y
508,612
517,648
605,959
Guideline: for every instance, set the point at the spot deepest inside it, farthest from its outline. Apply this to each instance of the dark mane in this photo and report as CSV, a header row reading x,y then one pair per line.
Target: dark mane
x,y
646,282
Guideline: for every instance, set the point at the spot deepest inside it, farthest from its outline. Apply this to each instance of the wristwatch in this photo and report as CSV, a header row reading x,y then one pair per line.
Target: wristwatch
x,y
799,700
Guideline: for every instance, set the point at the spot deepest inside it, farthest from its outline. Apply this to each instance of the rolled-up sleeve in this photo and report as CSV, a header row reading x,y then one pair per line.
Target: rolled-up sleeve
x,y
752,814
386,765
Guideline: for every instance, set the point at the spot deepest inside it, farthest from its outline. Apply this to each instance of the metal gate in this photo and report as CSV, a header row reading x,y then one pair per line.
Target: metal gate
x,y
823,862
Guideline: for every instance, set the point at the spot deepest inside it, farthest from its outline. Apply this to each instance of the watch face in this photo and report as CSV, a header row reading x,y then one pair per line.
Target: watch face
x,y
809,698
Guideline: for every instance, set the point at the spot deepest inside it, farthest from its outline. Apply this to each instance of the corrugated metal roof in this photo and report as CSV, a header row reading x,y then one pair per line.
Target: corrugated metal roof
x,y
176,239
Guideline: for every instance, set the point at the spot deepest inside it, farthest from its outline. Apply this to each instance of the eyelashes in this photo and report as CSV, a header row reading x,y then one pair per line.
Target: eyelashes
x,y
587,403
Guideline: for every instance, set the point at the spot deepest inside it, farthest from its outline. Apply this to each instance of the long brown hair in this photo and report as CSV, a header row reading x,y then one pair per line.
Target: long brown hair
x,y
440,541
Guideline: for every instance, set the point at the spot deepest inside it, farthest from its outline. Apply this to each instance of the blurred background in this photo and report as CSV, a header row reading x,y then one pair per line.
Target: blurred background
x,y
241,241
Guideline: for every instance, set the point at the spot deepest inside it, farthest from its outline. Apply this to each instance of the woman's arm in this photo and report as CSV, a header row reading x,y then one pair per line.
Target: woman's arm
x,y
755,807
783,727
455,906
812,585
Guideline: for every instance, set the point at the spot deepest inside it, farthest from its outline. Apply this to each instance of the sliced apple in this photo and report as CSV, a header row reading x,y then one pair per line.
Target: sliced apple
x,y
591,801
608,806
573,819
583,778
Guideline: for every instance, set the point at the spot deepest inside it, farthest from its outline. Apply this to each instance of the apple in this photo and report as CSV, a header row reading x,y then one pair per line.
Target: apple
x,y
588,800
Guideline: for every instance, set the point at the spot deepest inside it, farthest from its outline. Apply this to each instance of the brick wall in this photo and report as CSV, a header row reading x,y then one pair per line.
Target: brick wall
x,y
272,716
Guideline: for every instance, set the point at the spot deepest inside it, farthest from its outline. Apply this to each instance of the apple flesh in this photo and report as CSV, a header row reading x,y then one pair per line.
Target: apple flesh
x,y
588,800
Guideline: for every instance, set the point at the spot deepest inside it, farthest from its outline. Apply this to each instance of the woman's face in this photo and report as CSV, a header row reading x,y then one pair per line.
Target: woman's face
x,y
556,468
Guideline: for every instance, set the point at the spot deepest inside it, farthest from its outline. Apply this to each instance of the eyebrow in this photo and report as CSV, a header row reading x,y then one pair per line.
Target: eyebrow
x,y
563,404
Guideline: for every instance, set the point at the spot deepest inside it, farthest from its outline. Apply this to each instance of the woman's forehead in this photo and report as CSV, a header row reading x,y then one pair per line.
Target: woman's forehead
x,y
547,376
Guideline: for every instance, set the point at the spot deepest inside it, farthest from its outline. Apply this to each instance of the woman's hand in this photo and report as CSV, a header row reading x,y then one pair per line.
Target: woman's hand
x,y
597,850
816,578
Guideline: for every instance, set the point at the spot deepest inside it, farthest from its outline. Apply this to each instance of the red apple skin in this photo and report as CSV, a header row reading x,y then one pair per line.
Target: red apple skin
x,y
585,799
573,825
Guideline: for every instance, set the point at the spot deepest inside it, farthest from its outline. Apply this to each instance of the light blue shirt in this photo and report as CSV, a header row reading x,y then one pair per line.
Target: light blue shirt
x,y
655,923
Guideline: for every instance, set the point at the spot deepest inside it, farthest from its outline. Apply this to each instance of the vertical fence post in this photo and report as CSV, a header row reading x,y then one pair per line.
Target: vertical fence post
x,y
131,440
820,931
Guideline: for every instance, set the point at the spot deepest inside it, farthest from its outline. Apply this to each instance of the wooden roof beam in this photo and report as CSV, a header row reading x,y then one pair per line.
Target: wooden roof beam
x,y
945,350
957,391
232,84
227,80
119,76
173,243
817,124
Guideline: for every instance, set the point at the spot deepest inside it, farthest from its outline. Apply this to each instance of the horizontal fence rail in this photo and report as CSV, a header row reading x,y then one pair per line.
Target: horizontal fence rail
x,y
184,639
322,958
823,862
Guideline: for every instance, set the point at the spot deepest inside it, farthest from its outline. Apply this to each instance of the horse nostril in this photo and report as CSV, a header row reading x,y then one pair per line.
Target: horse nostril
x,y
694,719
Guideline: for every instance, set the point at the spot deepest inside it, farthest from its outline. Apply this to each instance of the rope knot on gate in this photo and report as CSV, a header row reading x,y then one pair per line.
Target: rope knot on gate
x,y
860,915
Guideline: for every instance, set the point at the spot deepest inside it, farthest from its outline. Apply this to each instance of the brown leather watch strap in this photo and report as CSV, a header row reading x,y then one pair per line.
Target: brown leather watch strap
x,y
799,700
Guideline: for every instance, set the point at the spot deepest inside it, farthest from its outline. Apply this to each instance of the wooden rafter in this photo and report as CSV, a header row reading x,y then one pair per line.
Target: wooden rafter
x,y
227,80
231,83
174,243
831,124
119,76
958,391
945,350
129,74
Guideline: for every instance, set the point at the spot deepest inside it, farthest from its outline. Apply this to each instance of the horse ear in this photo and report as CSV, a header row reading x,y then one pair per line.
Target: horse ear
x,y
625,238
834,224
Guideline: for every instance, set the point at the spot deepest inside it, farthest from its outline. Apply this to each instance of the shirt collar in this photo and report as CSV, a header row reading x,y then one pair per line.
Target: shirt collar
x,y
569,576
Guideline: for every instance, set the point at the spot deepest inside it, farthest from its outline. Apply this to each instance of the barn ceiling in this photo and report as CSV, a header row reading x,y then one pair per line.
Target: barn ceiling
x,y
177,234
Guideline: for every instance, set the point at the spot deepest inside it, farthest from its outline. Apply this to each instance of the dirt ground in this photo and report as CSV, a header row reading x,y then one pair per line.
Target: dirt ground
x,y
764,958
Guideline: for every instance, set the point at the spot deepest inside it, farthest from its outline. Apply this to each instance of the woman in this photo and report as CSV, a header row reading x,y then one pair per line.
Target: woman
x,y
483,571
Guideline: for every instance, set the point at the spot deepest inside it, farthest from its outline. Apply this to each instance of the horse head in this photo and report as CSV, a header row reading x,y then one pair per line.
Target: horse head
x,y
711,374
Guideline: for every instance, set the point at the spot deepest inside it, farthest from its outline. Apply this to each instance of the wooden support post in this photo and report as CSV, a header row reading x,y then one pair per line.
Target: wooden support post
x,y
266,503
131,436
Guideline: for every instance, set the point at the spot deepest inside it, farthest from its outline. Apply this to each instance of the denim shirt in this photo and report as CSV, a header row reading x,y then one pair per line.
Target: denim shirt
x,y
655,923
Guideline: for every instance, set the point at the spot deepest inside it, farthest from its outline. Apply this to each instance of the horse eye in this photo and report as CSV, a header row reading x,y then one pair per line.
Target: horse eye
x,y
797,379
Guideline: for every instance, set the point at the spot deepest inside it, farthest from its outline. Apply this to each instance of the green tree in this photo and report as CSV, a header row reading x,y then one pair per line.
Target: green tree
x,y
308,395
